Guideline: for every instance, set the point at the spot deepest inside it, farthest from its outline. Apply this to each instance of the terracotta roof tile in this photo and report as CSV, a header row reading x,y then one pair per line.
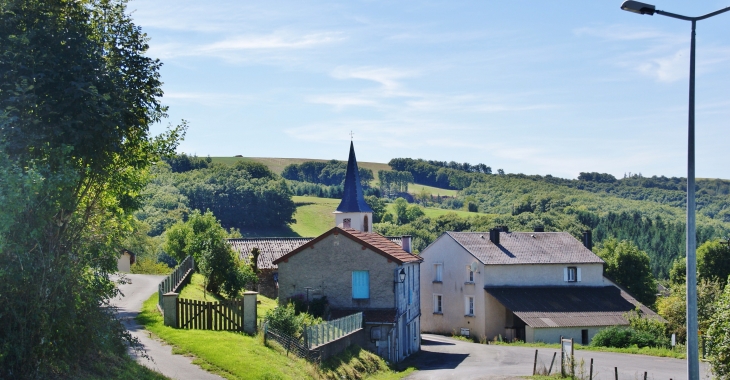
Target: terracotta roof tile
x,y
385,245
526,248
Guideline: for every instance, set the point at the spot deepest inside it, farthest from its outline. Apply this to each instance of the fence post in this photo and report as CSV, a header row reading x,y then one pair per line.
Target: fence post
x,y
590,374
249,312
209,315
553,362
534,364
169,309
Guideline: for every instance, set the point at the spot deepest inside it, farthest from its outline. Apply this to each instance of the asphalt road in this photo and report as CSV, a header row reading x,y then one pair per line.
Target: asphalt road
x,y
163,361
447,358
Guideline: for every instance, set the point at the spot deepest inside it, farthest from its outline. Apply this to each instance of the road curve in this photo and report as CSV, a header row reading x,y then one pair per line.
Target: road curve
x,y
129,305
447,358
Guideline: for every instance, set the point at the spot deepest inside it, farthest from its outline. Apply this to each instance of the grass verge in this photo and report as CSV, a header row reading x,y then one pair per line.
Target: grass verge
x,y
240,356
228,354
650,351
105,366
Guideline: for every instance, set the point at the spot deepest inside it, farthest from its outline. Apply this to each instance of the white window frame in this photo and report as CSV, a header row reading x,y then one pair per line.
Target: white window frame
x,y
571,274
438,272
469,275
469,306
438,303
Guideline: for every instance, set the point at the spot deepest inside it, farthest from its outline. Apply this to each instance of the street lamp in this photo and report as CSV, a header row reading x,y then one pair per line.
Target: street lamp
x,y
693,363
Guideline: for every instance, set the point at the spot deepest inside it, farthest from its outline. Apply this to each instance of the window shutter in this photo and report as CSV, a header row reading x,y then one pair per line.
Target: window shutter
x,y
360,284
578,278
565,274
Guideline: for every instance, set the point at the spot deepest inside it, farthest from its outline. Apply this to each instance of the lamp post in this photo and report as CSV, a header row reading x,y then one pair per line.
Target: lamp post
x,y
693,364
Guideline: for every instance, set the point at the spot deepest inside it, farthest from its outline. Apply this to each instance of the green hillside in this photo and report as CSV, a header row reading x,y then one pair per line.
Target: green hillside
x,y
648,211
276,165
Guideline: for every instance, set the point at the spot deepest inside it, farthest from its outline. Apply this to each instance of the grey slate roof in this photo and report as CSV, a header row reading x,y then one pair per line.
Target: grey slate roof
x,y
352,196
526,248
569,306
272,248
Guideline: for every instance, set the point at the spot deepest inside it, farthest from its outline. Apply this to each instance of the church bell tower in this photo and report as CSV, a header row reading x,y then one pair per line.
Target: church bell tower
x,y
353,212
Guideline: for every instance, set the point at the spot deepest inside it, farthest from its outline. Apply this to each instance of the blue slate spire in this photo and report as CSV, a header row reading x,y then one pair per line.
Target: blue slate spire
x,y
352,197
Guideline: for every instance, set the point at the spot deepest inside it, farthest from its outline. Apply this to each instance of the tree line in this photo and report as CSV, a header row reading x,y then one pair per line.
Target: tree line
x,y
329,173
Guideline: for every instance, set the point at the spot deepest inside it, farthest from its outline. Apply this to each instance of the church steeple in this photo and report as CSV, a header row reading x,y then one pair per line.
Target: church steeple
x,y
353,212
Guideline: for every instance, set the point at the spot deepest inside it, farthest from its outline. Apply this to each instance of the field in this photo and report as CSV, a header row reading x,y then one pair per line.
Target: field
x,y
277,164
314,215
415,188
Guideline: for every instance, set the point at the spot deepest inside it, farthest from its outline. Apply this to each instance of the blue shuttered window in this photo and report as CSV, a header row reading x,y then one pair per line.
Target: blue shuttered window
x,y
360,284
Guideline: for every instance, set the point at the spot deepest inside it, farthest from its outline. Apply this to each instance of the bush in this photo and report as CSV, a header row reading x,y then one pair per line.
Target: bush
x,y
623,337
284,319
149,266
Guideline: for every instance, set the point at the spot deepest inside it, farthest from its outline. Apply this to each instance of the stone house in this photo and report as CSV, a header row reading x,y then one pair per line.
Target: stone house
x,y
531,286
359,270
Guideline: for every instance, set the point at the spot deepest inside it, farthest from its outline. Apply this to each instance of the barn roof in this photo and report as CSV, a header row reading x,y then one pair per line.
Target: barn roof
x,y
569,306
272,248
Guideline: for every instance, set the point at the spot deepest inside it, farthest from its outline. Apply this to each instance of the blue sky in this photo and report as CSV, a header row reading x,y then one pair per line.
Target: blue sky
x,y
532,87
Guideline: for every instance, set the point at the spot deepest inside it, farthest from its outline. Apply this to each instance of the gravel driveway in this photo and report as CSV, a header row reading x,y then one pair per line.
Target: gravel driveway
x,y
447,358
130,304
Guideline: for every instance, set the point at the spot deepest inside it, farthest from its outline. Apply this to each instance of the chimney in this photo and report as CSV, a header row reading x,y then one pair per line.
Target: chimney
x,y
406,243
494,235
504,228
539,228
588,239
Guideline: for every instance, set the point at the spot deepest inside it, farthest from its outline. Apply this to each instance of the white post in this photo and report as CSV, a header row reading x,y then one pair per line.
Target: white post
x,y
169,308
249,312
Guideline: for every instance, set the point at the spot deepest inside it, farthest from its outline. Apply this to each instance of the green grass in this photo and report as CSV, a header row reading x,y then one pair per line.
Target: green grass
x,y
240,356
650,351
266,304
228,354
415,188
356,363
105,366
314,215
195,290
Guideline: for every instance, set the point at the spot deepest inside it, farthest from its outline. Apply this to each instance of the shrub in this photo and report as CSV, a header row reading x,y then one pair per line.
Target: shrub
x,y
149,266
284,319
613,336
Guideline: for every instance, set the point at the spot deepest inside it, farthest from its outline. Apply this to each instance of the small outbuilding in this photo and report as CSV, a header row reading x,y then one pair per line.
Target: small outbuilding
x,y
125,261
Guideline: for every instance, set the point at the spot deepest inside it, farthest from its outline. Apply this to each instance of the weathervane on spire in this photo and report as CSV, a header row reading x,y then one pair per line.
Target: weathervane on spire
x,y
352,135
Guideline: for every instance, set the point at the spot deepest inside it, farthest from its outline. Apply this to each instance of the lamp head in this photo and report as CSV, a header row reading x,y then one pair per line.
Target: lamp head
x,y
402,275
638,7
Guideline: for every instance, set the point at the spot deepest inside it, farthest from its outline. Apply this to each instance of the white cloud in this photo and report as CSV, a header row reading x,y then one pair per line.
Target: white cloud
x,y
625,33
387,77
662,56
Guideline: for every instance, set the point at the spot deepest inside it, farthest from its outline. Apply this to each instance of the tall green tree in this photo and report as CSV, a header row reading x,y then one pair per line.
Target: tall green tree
x,y
203,238
77,97
630,268
719,330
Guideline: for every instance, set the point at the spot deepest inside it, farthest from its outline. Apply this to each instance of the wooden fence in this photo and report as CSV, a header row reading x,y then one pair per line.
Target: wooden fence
x,y
177,279
201,315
